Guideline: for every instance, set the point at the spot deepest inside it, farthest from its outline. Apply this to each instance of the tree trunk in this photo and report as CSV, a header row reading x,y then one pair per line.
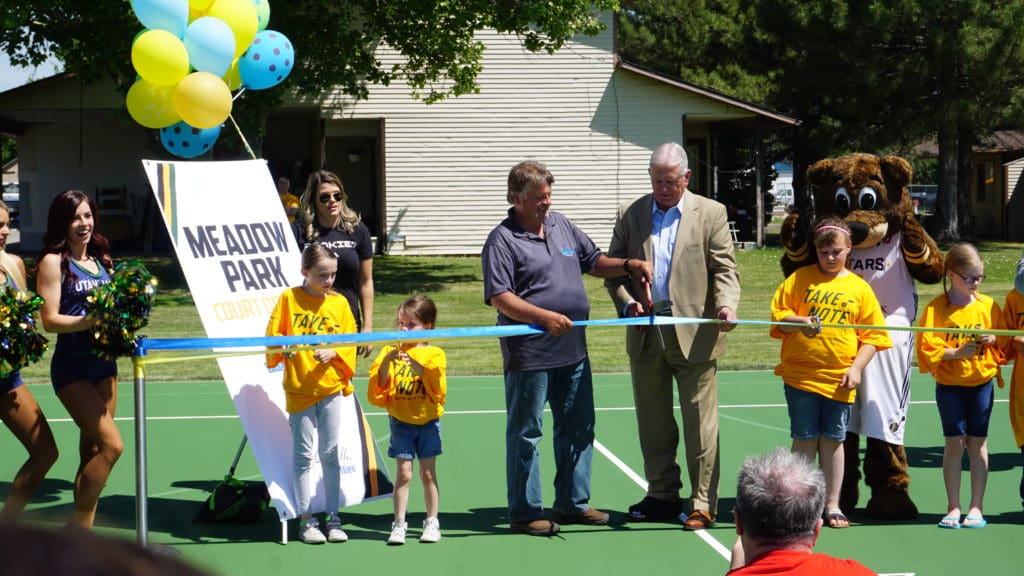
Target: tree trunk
x,y
965,200
947,228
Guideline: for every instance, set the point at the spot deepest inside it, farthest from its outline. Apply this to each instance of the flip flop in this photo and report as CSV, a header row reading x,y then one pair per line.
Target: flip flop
x,y
835,516
951,522
977,522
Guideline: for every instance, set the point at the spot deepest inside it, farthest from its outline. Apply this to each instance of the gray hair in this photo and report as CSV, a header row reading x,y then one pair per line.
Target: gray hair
x,y
526,177
780,496
670,155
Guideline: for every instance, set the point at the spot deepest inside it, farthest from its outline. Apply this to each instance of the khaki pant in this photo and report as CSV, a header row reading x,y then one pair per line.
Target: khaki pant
x,y
653,371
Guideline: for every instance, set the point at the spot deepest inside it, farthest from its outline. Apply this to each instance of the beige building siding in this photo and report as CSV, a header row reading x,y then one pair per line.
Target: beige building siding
x,y
446,163
1014,199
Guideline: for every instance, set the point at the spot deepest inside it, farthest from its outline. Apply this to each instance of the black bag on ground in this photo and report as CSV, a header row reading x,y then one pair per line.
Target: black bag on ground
x,y
234,501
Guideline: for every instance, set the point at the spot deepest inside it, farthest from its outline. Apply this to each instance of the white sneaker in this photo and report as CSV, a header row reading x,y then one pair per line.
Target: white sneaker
x,y
310,532
431,531
334,531
397,537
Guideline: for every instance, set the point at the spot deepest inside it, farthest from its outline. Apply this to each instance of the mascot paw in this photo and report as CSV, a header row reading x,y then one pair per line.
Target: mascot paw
x,y
891,505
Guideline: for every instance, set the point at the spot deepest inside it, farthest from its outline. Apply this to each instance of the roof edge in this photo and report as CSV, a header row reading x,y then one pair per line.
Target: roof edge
x,y
705,92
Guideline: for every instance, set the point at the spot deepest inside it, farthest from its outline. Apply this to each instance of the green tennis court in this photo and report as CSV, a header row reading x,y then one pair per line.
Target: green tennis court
x,y
193,434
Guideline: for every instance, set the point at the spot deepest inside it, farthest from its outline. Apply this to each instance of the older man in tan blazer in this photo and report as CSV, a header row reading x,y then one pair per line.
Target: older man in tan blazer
x,y
686,238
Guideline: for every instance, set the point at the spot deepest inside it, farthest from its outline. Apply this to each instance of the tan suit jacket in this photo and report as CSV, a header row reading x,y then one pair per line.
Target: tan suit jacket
x,y
703,276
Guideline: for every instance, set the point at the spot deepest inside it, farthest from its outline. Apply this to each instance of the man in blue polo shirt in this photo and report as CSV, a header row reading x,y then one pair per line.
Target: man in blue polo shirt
x,y
533,264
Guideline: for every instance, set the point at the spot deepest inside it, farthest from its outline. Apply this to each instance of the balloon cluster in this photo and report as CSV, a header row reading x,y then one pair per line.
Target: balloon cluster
x,y
20,343
121,308
190,57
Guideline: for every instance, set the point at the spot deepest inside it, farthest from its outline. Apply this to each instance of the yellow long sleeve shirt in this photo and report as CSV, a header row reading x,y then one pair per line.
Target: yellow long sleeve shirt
x,y
306,380
976,370
407,397
817,364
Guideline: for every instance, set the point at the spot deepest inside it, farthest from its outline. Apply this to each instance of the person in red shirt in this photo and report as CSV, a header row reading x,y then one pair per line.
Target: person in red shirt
x,y
780,497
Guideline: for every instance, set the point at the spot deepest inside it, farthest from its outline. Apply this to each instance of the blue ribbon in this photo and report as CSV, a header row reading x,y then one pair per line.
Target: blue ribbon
x,y
148,344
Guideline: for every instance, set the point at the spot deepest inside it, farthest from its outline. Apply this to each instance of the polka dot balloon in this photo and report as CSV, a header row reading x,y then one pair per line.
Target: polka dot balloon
x,y
268,61
186,141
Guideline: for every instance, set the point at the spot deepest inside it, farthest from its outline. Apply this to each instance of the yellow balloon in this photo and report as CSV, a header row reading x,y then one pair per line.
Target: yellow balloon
x,y
203,100
232,77
241,17
160,57
199,4
151,105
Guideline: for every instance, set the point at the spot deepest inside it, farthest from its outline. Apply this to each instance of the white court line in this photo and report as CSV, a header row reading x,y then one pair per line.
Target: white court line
x,y
709,539
752,423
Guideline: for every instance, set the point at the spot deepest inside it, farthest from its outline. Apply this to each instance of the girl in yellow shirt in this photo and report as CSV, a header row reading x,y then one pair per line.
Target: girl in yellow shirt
x,y
821,368
314,382
1013,319
409,380
963,366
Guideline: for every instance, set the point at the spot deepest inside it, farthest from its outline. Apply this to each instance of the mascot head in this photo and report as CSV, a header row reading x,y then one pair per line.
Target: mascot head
x,y
867,192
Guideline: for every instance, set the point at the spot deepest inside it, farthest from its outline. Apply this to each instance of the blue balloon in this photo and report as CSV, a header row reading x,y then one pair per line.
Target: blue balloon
x,y
210,44
185,141
169,15
267,61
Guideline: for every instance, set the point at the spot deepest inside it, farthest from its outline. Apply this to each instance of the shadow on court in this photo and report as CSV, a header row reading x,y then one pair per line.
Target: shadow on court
x,y
931,457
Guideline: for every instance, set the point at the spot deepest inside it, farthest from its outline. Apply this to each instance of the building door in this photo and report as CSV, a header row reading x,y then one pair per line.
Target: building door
x,y
353,151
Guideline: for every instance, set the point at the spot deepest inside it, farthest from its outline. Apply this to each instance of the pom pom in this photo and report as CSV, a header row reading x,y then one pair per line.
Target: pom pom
x,y
20,343
121,308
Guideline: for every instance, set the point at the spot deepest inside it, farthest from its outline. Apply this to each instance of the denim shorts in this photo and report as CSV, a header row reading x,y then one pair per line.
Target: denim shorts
x,y
812,415
964,410
411,441
10,382
68,368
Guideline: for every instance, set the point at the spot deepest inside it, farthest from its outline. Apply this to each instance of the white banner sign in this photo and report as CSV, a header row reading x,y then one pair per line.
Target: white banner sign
x,y
237,251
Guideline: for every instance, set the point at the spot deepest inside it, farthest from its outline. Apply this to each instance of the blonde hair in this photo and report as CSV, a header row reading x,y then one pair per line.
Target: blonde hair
x,y
307,205
314,254
961,256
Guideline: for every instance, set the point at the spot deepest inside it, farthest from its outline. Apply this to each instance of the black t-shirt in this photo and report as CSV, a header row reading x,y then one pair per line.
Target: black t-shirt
x,y
350,249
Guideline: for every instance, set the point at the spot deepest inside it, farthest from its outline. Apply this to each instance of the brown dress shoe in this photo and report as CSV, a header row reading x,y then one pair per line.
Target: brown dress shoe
x,y
538,527
590,517
699,520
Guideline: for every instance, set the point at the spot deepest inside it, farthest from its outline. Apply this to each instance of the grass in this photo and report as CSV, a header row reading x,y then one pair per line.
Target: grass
x,y
456,284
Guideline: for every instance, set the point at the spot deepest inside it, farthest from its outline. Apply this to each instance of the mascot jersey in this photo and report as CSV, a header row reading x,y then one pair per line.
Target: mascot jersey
x,y
1013,318
407,397
881,410
883,268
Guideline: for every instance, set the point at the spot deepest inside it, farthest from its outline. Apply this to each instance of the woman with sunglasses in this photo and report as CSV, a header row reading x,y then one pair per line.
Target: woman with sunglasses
x,y
964,366
325,217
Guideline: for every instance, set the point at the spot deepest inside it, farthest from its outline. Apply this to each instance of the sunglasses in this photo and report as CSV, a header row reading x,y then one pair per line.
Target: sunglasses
x,y
972,279
325,197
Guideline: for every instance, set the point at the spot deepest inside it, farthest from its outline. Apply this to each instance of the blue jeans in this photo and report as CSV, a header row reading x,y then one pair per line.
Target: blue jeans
x,y
323,418
570,392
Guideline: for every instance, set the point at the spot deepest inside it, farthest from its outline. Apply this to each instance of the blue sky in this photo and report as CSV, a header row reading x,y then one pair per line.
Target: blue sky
x,y
12,77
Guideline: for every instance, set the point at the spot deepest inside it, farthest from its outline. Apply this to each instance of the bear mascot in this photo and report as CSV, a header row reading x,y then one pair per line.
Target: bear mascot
x,y
890,250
